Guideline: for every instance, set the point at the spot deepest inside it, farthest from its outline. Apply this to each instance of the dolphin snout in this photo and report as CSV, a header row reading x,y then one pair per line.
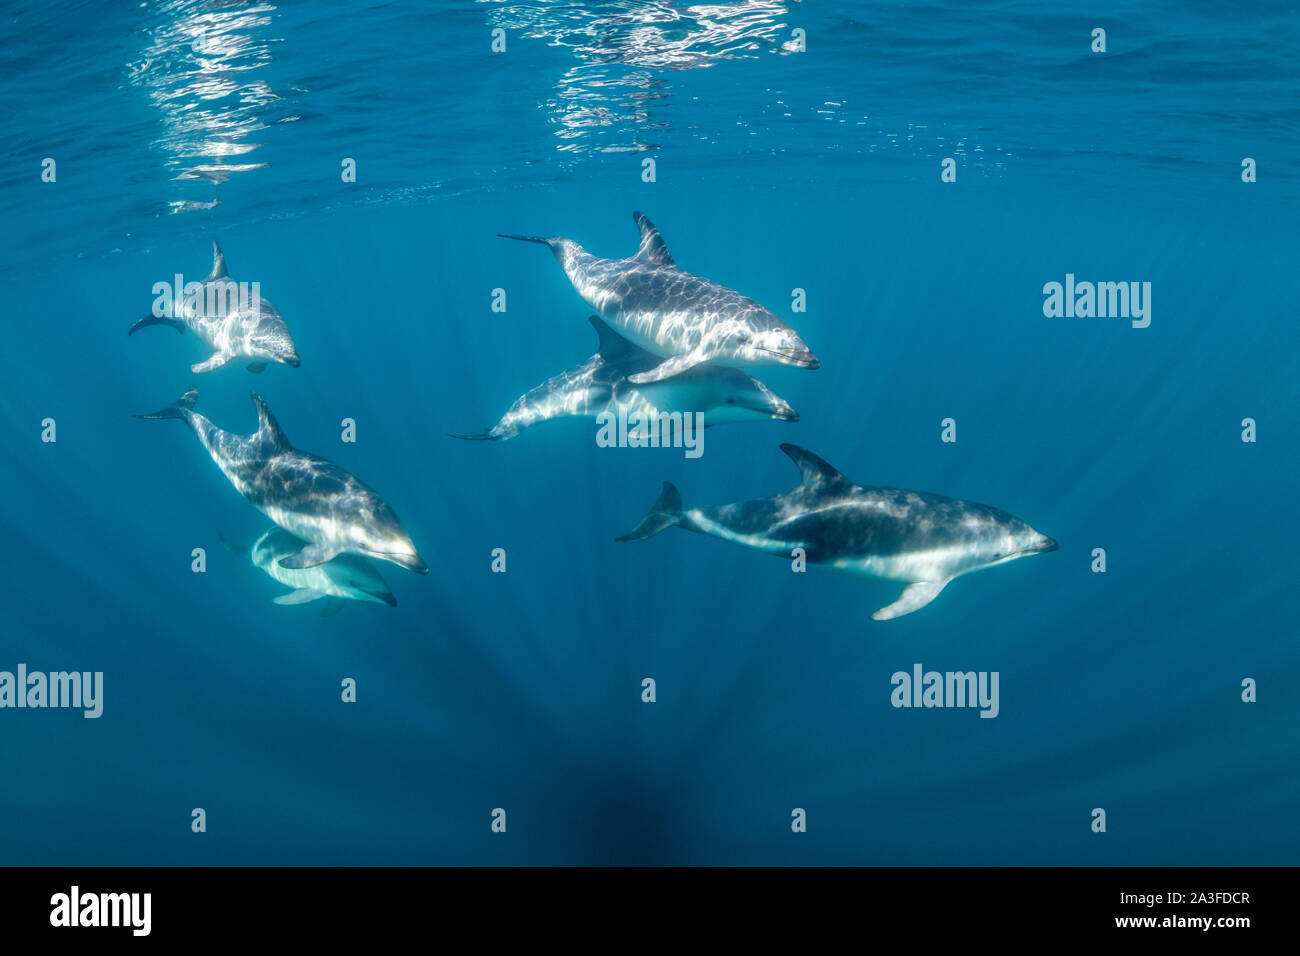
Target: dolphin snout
x,y
292,361
800,357
784,345
413,562
403,559
1043,544
784,413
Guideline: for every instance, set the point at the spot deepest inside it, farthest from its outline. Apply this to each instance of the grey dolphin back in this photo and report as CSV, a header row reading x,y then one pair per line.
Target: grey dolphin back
x,y
653,249
665,513
598,377
218,272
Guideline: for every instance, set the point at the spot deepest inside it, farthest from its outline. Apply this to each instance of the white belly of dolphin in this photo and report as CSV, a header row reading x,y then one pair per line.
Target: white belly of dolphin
x,y
937,564
317,529
657,332
675,333
645,329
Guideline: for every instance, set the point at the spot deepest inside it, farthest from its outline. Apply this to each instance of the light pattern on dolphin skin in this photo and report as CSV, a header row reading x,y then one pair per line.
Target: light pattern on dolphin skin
x,y
601,384
249,329
347,577
311,498
920,538
683,318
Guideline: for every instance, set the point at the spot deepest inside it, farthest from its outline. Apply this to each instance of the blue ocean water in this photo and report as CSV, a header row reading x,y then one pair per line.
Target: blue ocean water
x,y
776,168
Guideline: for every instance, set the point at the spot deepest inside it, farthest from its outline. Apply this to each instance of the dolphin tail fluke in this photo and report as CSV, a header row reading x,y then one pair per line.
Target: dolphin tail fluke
x,y
665,513
152,319
177,409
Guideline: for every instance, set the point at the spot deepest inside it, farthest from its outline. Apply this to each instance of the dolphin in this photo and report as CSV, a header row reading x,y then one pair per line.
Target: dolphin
x,y
922,539
601,385
347,576
234,327
682,318
309,497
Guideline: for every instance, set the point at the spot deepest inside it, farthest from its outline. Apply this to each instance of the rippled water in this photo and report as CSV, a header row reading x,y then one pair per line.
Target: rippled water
x,y
202,71
172,108
776,168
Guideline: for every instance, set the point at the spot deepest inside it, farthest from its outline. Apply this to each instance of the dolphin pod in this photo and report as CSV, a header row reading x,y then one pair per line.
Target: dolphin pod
x,y
921,539
669,341
327,518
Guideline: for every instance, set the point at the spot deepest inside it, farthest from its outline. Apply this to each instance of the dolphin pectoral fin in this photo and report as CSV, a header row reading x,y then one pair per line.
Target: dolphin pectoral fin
x,y
257,368
332,606
913,598
215,360
300,596
673,366
308,557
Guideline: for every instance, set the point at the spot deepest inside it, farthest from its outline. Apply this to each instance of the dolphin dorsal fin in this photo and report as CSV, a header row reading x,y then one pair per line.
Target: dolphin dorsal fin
x,y
653,249
815,472
612,345
218,263
267,427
